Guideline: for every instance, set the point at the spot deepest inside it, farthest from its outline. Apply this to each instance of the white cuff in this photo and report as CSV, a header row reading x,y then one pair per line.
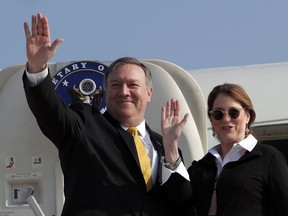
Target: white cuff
x,y
181,169
36,78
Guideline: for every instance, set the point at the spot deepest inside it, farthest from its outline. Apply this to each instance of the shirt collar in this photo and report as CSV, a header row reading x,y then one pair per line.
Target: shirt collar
x,y
141,128
248,143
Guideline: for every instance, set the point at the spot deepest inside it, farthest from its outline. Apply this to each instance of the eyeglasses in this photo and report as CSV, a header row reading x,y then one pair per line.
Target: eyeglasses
x,y
218,114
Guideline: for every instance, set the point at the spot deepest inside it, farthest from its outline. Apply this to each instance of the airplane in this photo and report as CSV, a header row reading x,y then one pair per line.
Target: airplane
x,y
30,161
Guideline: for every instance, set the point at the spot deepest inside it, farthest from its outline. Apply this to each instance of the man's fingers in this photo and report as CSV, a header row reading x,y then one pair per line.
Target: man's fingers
x,y
172,108
39,24
184,120
45,27
177,108
168,108
55,44
27,30
163,114
34,26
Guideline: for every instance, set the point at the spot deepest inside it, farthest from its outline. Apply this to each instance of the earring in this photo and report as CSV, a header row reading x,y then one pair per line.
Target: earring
x,y
247,130
213,133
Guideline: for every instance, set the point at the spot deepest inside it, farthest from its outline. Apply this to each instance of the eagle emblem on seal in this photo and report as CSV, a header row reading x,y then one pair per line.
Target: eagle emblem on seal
x,y
81,82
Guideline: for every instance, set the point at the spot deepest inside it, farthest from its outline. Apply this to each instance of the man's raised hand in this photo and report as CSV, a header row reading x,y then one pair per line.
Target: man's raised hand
x,y
39,49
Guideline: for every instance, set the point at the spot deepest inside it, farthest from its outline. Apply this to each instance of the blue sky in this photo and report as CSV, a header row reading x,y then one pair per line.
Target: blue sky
x,y
193,34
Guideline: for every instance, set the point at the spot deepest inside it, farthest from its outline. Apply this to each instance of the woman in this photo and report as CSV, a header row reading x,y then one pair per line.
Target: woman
x,y
240,176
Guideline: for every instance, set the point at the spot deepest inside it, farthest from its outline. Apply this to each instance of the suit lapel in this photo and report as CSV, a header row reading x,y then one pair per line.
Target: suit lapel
x,y
128,139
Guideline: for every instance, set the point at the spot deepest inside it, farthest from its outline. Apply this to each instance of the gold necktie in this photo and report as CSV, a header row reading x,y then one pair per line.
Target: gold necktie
x,y
143,158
